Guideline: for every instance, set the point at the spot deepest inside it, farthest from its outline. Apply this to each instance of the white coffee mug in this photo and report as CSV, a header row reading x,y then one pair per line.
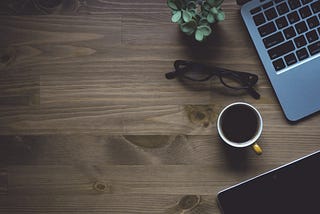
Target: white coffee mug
x,y
240,125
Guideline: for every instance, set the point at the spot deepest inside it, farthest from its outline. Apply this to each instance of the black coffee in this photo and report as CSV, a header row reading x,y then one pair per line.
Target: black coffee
x,y
239,123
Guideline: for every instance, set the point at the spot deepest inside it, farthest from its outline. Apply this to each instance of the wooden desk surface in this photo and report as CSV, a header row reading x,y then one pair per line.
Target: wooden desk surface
x,y
89,124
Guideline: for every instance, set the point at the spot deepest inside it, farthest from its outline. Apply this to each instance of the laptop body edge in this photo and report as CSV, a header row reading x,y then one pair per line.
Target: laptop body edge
x,y
297,88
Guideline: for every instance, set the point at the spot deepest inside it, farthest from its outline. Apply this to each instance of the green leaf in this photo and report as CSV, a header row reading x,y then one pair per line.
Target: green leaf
x,y
206,30
210,18
191,5
189,33
193,12
176,17
187,16
220,16
218,3
172,5
204,13
211,2
206,6
188,27
203,21
199,35
214,11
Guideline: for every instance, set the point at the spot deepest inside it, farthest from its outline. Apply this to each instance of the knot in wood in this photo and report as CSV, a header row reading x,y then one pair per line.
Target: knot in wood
x,y
188,202
199,115
101,186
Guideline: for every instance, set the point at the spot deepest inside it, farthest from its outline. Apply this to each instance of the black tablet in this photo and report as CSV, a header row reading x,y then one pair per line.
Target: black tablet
x,y
290,189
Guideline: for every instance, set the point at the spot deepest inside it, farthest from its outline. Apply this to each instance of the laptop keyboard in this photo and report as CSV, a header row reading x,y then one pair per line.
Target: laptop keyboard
x,y
289,29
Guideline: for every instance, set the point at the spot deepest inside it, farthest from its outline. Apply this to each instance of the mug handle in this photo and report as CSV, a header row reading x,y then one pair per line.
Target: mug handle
x,y
257,149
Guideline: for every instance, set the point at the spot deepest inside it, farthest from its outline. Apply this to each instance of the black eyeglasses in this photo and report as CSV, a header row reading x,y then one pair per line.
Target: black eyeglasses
x,y
199,72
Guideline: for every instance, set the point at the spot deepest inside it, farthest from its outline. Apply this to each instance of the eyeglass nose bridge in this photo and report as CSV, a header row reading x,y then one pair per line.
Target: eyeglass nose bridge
x,y
253,79
248,79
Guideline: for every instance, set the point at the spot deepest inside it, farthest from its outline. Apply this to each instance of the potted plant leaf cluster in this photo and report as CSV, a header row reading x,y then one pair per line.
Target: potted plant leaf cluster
x,y
196,17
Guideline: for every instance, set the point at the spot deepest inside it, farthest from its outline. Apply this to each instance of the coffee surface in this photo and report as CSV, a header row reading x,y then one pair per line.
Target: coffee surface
x,y
239,123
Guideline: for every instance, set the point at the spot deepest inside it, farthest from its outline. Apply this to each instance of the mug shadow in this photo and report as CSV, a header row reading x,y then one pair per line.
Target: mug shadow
x,y
236,158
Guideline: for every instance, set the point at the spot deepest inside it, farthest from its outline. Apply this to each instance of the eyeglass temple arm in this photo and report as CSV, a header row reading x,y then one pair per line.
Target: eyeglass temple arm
x,y
251,79
253,93
246,77
171,75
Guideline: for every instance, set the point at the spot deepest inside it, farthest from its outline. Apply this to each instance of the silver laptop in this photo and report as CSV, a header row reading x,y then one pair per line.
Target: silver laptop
x,y
286,34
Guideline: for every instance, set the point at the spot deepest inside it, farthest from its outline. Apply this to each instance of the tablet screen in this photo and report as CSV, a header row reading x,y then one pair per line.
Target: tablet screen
x,y
291,189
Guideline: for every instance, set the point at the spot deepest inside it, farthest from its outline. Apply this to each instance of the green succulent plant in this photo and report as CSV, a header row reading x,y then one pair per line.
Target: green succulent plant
x,y
196,16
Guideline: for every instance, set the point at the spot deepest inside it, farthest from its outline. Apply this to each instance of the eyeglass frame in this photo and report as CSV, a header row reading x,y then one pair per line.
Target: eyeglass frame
x,y
247,80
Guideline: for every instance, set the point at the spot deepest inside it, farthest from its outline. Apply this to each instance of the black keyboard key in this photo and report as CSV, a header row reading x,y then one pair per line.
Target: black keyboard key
x,y
313,22
293,17
306,1
314,48
282,8
278,1
255,10
302,54
273,40
278,64
270,14
290,59
267,29
315,6
301,27
281,22
294,4
305,12
280,50
300,41
312,36
259,19
267,5
289,32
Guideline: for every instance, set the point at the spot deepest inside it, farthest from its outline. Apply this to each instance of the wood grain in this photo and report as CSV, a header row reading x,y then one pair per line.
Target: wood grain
x,y
90,150
58,173
89,124
91,7
124,70
3,181
98,203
